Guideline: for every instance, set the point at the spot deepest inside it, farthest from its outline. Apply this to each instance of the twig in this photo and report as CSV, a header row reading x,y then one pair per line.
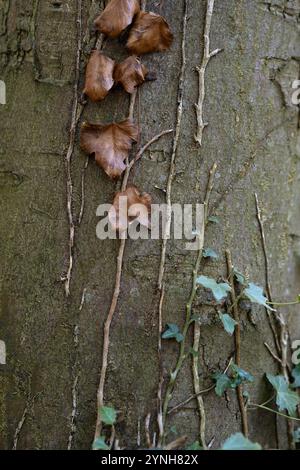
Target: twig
x,y
167,227
192,397
138,438
161,376
82,299
174,152
274,411
177,444
181,356
83,171
267,280
100,393
237,336
211,442
207,55
28,406
146,146
112,437
283,338
19,427
68,158
73,426
74,413
197,326
77,110
147,431
273,354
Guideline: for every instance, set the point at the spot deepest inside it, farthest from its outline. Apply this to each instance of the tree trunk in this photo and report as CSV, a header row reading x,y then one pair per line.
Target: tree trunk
x,y
54,347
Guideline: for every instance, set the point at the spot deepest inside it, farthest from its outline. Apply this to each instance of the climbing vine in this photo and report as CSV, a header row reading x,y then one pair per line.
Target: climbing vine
x,y
111,144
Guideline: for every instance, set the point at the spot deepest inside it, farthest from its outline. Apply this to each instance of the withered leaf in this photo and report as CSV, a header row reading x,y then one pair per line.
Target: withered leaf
x,y
109,143
117,16
150,33
130,73
99,76
130,206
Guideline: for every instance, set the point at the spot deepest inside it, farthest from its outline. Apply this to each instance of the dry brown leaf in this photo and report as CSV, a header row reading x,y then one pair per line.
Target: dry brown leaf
x,y
110,144
130,73
150,33
130,206
98,76
117,16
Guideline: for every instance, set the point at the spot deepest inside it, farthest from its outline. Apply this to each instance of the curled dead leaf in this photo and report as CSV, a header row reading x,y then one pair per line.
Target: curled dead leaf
x,y
99,76
130,206
117,16
130,73
150,33
109,143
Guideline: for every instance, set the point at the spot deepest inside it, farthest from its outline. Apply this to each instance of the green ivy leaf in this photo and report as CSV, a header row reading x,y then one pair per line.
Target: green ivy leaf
x,y
286,399
108,415
228,322
241,375
239,442
214,219
99,444
256,295
209,253
219,291
195,446
241,279
296,376
223,382
172,332
296,436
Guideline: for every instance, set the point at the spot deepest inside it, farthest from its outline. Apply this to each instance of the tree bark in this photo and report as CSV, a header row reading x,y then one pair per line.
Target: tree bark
x,y
53,346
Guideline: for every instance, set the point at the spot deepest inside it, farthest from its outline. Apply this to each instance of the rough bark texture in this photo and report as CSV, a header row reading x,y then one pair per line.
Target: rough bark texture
x,y
253,135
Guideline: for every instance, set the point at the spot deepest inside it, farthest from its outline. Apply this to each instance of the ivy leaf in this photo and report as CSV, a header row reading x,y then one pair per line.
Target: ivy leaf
x,y
228,322
99,444
213,219
195,446
108,415
241,375
296,436
286,399
241,279
172,332
239,442
219,291
209,253
256,295
223,382
296,376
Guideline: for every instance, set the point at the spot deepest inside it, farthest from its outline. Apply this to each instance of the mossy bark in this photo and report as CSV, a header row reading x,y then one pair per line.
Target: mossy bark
x,y
253,135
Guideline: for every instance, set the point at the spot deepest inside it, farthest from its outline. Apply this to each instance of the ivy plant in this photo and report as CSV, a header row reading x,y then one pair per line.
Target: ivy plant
x,y
239,442
286,399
